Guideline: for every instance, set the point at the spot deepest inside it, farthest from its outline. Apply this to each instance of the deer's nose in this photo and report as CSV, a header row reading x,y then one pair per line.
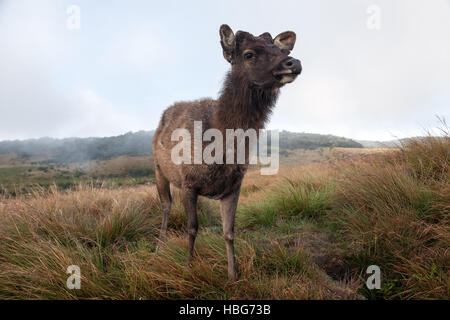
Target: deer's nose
x,y
292,64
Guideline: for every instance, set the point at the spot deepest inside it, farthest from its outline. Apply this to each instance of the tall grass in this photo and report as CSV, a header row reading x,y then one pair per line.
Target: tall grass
x,y
112,236
395,213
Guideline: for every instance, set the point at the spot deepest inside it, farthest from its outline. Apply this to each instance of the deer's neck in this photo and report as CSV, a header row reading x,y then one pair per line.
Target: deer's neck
x,y
242,105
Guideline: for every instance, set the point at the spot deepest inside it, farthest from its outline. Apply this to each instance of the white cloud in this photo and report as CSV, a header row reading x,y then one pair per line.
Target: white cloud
x,y
121,70
29,40
137,49
94,115
34,47
374,84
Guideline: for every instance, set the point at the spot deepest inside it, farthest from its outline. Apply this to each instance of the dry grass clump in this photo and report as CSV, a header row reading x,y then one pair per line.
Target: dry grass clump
x,y
111,235
390,209
394,212
269,273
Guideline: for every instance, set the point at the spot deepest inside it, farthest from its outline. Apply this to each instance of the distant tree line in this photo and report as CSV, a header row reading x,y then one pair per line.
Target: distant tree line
x,y
81,149
140,144
294,140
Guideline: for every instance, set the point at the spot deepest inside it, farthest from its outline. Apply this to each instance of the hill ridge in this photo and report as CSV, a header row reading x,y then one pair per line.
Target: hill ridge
x,y
69,150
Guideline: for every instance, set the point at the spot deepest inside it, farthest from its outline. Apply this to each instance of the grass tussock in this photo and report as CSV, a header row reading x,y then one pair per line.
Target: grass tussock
x,y
395,213
270,273
300,197
112,236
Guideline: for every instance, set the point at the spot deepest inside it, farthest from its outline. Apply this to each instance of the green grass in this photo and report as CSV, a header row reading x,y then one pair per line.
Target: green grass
x,y
297,200
19,179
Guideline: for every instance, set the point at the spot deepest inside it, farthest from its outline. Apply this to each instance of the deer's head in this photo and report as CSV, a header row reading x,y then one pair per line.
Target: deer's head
x,y
264,61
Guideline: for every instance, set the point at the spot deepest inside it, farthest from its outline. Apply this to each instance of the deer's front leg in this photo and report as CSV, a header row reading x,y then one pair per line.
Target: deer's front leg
x,y
189,198
163,187
228,207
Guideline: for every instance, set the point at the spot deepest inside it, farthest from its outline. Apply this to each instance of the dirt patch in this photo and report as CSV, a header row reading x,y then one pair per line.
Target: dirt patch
x,y
326,256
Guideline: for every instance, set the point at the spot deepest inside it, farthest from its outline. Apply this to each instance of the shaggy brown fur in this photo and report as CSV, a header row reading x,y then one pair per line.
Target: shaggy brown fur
x,y
260,66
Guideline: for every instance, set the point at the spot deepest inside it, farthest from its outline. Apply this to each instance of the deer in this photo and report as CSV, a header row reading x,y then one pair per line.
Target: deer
x,y
260,66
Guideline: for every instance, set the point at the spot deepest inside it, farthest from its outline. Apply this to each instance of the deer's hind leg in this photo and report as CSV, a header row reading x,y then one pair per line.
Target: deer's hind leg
x,y
189,198
228,207
163,187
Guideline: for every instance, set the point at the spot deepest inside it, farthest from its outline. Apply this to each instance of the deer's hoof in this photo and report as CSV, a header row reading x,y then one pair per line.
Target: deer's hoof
x,y
233,275
162,237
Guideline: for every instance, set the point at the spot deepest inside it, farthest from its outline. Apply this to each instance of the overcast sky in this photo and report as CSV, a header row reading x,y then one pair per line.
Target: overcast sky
x,y
371,69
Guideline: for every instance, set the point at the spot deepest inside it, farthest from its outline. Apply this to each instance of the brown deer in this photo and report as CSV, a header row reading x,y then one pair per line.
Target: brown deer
x,y
260,66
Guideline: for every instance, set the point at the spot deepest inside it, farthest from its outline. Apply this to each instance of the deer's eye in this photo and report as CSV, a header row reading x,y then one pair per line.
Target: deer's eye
x,y
249,55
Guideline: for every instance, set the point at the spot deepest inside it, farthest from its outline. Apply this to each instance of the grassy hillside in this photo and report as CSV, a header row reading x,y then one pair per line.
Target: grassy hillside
x,y
294,140
63,151
66,151
68,162
18,176
308,233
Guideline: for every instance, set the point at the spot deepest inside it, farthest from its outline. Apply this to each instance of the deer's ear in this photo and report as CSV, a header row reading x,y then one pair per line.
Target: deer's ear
x,y
285,41
227,40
